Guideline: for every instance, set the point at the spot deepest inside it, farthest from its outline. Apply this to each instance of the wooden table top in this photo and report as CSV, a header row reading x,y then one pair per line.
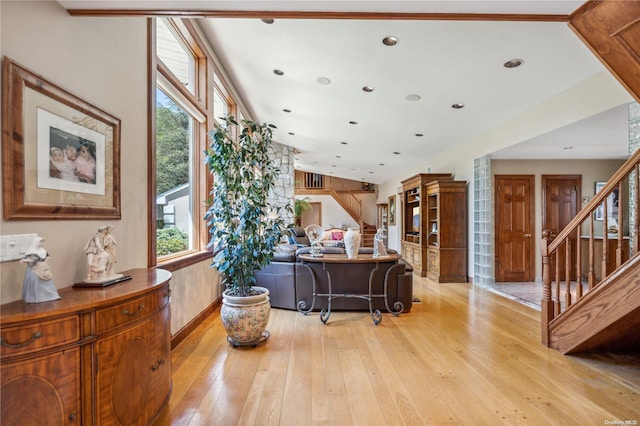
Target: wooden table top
x,y
342,258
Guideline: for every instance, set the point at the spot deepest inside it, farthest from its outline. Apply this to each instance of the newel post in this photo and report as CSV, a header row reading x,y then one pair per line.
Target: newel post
x,y
546,303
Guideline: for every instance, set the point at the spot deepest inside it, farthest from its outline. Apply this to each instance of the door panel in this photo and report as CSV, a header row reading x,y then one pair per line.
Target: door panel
x,y
514,228
560,201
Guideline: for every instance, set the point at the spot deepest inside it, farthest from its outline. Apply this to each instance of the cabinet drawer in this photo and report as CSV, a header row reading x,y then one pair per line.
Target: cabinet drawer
x,y
124,313
38,336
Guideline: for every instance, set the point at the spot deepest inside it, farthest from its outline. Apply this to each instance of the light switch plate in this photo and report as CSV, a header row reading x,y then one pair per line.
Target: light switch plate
x,y
14,247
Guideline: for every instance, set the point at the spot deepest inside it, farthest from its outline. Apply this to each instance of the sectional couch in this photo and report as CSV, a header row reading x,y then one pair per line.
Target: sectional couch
x,y
289,282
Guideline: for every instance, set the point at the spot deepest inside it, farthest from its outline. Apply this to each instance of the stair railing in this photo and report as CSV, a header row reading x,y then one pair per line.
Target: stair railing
x,y
575,244
351,203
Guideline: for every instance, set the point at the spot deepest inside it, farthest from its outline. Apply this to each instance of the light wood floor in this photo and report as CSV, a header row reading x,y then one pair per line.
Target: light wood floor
x,y
464,355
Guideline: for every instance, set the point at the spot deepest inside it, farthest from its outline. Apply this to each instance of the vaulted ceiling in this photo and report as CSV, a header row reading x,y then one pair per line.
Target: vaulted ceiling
x,y
357,108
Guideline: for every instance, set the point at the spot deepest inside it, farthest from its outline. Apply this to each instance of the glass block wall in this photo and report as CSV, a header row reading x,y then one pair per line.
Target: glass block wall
x,y
482,222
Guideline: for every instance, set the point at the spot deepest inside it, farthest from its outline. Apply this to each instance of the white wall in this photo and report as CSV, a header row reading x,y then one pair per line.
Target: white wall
x,y
592,96
103,61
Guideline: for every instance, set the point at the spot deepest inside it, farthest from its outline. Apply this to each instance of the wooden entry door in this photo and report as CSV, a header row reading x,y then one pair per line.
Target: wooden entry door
x,y
560,203
514,228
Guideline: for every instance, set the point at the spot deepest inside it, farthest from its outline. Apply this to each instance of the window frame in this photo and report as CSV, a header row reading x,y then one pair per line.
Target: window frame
x,y
197,105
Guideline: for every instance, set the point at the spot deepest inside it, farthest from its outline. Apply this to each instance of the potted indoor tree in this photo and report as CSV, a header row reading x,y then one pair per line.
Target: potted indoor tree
x,y
244,229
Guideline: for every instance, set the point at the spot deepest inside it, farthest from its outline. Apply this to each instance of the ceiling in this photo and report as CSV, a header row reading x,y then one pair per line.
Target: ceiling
x,y
444,62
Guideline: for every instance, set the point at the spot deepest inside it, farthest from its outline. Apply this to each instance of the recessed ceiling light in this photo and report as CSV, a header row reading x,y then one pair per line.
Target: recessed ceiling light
x,y
419,135
513,63
278,72
292,134
413,97
323,80
390,41
353,122
457,106
338,156
370,173
333,165
268,20
568,147
381,164
343,143
286,110
367,89
396,152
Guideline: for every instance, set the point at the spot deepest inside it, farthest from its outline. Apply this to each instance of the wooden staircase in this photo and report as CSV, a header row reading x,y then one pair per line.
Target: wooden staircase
x,y
352,205
606,318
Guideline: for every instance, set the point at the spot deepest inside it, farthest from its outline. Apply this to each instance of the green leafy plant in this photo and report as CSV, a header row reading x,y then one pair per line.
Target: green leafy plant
x,y
300,206
244,229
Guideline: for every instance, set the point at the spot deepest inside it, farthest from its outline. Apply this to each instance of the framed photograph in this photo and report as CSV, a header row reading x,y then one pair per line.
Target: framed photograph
x,y
60,154
612,203
392,210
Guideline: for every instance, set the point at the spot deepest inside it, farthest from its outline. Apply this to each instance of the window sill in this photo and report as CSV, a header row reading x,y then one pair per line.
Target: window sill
x,y
176,263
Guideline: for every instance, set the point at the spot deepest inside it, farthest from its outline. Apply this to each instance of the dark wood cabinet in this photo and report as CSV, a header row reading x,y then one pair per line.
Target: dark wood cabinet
x,y
383,221
414,220
447,236
96,356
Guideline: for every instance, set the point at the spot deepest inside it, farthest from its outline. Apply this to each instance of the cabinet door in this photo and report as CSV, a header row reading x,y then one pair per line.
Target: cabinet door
x,y
126,366
163,361
42,391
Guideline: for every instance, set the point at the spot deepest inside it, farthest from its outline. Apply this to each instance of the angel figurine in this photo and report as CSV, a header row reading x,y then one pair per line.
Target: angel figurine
x,y
378,244
38,279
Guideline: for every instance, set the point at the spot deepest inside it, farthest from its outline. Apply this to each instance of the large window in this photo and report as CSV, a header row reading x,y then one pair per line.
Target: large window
x,y
181,121
188,96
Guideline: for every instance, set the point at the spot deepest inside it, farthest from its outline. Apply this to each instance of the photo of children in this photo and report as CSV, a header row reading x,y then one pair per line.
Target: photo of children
x,y
72,158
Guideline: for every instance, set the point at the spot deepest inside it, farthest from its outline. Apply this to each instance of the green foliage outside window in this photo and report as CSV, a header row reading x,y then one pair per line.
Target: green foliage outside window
x,y
171,240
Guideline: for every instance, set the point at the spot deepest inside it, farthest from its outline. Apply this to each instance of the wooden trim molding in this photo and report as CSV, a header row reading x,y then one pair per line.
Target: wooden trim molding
x,y
177,338
416,16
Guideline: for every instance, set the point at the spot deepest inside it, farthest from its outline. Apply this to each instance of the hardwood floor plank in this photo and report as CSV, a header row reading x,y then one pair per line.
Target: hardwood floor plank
x,y
464,355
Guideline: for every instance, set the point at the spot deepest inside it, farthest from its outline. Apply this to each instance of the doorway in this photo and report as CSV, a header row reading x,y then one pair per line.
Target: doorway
x,y
313,216
514,210
561,196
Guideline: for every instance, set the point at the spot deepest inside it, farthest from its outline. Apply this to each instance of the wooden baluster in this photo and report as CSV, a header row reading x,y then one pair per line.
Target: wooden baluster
x,y
546,304
605,241
556,299
567,273
578,263
621,219
592,274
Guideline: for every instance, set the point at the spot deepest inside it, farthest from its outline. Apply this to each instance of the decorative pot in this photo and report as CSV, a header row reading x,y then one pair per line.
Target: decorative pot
x,y
245,318
352,242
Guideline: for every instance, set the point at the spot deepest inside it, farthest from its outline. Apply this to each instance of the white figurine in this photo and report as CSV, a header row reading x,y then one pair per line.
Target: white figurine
x,y
378,244
101,256
38,279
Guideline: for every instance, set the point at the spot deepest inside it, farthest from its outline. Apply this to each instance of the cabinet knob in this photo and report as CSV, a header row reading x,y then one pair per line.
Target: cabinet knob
x,y
72,417
161,361
154,367
527,235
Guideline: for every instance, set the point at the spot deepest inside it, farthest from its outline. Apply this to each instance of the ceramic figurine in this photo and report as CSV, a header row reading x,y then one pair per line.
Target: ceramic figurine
x,y
378,244
38,279
101,256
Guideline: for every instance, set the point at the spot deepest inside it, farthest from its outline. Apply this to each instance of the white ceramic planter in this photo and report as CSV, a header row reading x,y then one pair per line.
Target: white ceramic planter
x,y
245,318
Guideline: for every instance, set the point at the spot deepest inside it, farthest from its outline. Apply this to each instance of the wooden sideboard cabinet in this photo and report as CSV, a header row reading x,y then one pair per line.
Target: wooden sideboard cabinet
x,y
96,356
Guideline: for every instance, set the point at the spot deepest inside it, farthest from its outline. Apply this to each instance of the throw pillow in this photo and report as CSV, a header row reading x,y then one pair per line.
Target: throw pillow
x,y
336,235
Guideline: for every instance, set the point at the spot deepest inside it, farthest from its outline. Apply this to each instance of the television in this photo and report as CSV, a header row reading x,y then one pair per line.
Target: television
x,y
415,223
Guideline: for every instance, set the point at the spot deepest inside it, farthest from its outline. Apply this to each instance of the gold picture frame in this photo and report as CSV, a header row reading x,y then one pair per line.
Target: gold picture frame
x,y
42,176
392,210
